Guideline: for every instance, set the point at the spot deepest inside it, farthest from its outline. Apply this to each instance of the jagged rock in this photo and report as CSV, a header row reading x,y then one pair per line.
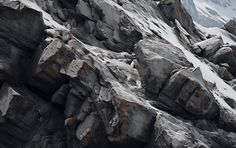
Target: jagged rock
x,y
83,96
83,9
73,104
227,120
156,62
173,9
208,47
108,28
231,26
15,21
187,91
184,35
225,55
224,73
47,76
88,131
129,121
222,70
18,42
23,112
170,132
59,97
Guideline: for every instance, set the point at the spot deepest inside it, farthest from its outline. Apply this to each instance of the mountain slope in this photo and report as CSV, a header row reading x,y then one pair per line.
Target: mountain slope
x,y
211,13
113,73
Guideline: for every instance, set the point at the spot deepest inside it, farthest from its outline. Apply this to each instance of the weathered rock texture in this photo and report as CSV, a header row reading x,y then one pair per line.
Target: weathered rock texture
x,y
100,74
231,26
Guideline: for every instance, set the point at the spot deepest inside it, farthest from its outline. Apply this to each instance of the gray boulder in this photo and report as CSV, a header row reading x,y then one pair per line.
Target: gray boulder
x,y
208,47
156,61
225,55
83,9
173,9
46,75
187,91
170,132
231,26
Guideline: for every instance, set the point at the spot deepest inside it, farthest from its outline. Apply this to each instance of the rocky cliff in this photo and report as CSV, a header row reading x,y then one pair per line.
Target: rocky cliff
x,y
113,73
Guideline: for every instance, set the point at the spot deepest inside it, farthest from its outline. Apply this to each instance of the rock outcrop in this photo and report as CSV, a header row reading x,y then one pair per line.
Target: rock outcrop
x,y
88,73
18,42
173,9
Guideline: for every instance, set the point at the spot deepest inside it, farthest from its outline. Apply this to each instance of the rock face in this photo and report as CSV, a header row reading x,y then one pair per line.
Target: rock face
x,y
173,9
88,73
16,48
231,26
187,90
157,60
24,111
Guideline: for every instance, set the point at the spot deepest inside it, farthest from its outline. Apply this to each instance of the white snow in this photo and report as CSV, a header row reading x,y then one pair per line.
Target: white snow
x,y
224,13
226,36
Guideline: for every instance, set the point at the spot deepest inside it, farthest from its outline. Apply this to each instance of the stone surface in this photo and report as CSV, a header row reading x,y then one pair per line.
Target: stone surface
x,y
231,26
23,111
187,91
172,133
208,47
225,55
18,42
173,9
105,74
156,62
46,76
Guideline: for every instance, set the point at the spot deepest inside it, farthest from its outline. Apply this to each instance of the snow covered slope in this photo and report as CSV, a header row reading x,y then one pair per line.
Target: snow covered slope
x,y
211,13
